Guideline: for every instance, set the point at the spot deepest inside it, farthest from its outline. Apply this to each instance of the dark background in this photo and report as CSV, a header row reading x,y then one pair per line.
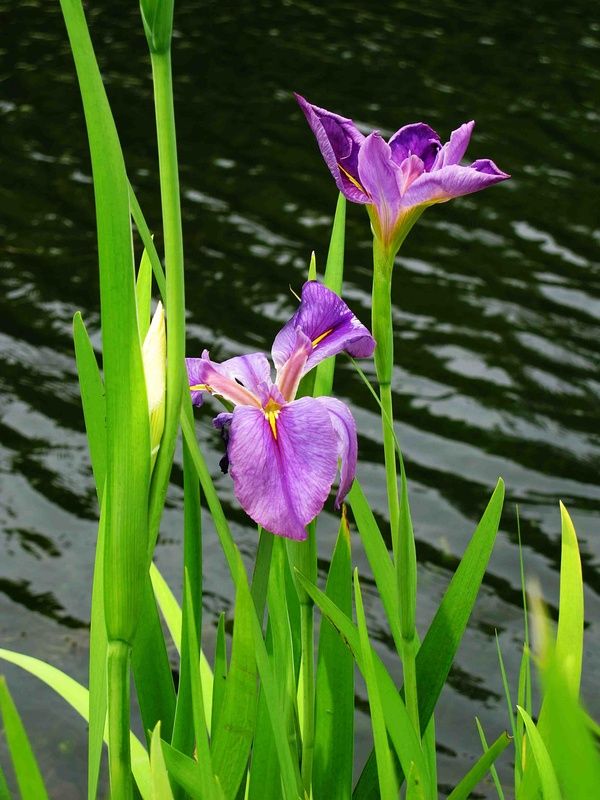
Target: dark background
x,y
497,302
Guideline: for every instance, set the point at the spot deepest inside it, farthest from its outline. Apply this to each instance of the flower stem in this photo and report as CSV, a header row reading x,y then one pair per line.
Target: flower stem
x,y
119,754
175,294
401,532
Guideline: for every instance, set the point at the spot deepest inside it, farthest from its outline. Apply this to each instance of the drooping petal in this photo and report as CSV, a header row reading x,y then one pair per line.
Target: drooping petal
x,y
410,169
454,150
222,422
453,181
339,141
329,325
205,375
347,450
381,177
282,481
416,139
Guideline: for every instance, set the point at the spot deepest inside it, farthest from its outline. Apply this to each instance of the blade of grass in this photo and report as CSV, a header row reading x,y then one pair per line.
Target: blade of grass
x,y
478,771
27,772
548,782
4,790
385,766
161,788
493,770
334,712
220,673
78,697
202,750
149,246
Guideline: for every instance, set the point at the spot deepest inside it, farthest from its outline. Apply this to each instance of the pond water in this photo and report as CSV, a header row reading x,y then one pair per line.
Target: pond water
x,y
497,302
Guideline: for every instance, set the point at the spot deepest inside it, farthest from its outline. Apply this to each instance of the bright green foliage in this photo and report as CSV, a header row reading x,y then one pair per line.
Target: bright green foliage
x,y
161,788
388,785
334,712
493,771
478,771
27,772
548,781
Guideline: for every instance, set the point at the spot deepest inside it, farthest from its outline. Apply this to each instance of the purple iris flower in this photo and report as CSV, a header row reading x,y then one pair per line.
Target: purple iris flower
x,y
283,453
398,179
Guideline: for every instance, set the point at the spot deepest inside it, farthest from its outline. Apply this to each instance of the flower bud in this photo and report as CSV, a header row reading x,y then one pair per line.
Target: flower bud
x,y
154,355
157,16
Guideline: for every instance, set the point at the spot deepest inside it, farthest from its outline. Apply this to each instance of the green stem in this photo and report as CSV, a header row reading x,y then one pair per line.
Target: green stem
x,y
174,293
119,754
401,531
383,331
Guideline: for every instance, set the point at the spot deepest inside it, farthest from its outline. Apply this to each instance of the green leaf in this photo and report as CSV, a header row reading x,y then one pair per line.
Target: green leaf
x,y
385,766
161,788
334,712
439,646
208,789
4,790
399,725
262,566
569,635
149,246
92,400
143,294
220,673
127,422
493,771
232,739
478,771
27,772
77,696
548,782
168,605
333,279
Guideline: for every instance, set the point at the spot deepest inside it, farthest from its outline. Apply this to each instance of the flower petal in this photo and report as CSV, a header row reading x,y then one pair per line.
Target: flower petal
x,y
282,482
345,430
339,141
381,177
454,150
416,139
449,182
221,379
290,374
250,371
328,323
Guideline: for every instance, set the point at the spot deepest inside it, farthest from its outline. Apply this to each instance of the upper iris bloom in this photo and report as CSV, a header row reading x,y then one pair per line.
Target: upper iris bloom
x,y
283,453
398,179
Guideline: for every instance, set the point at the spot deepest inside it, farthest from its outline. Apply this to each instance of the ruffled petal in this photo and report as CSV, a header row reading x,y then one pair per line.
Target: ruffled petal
x,y
290,374
452,152
282,481
205,375
250,371
381,178
347,443
449,182
339,141
329,325
416,139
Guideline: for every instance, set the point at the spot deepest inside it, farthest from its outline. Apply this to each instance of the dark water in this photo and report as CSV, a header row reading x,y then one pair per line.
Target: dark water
x,y
497,300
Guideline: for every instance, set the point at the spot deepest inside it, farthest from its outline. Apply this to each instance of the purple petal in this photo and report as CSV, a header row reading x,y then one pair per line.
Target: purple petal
x,y
339,141
454,150
282,482
449,182
416,139
381,177
214,378
290,374
329,325
251,370
410,169
345,430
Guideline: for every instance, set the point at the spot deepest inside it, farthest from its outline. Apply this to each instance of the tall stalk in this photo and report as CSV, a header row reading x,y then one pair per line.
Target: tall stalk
x,y
175,293
401,530
119,753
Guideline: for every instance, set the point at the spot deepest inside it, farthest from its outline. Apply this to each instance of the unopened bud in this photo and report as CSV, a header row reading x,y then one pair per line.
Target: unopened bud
x,y
154,354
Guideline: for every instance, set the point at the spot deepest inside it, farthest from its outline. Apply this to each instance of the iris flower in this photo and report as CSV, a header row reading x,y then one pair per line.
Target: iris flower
x,y
398,179
283,452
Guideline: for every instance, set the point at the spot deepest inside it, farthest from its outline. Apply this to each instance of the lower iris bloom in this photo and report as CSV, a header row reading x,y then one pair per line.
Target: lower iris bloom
x,y
283,452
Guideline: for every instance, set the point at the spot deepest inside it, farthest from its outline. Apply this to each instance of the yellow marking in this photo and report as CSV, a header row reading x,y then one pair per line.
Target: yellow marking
x,y
352,180
271,412
200,387
320,338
